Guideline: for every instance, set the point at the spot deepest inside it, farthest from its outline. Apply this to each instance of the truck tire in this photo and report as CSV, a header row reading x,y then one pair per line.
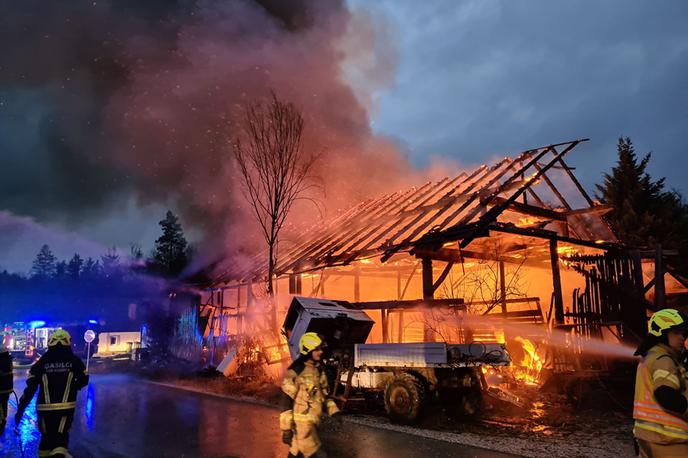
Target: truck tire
x,y
471,399
471,403
404,398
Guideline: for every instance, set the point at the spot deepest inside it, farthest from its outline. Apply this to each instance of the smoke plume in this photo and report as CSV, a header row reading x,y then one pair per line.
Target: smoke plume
x,y
108,99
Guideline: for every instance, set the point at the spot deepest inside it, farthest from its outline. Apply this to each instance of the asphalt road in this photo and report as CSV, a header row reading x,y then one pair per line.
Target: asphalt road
x,y
119,416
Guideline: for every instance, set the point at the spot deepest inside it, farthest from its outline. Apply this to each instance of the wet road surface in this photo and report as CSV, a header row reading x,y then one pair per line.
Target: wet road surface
x,y
119,416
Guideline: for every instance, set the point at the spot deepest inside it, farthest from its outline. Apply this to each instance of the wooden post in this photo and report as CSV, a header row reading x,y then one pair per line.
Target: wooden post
x,y
357,284
400,313
240,316
502,286
556,283
660,290
221,300
384,314
639,321
428,293
502,296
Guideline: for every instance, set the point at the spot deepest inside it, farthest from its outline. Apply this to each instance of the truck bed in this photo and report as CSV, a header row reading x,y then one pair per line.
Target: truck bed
x,y
430,354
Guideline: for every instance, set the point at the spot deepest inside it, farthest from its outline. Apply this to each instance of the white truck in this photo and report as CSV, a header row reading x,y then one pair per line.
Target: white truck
x,y
405,375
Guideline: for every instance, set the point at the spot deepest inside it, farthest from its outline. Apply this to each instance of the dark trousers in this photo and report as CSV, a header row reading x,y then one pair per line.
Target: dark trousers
x,y
4,398
54,427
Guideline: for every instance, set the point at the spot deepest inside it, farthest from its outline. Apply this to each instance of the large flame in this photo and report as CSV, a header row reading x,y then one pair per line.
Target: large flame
x,y
529,368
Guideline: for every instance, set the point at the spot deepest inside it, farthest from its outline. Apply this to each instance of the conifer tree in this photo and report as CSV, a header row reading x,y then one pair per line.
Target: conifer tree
x,y
44,265
170,254
644,213
74,267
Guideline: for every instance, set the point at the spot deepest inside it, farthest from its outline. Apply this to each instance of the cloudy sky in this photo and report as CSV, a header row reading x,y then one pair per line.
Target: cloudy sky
x,y
477,77
466,80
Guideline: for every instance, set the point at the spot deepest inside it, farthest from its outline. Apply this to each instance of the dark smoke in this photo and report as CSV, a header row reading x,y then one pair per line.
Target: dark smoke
x,y
60,63
101,100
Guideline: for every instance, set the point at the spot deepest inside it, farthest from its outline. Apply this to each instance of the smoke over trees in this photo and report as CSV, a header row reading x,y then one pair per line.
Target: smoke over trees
x,y
62,290
110,101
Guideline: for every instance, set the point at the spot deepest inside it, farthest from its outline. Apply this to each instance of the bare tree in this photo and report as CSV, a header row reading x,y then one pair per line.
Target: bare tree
x,y
275,169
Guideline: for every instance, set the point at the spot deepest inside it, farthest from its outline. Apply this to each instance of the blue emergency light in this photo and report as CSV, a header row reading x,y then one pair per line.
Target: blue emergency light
x,y
36,324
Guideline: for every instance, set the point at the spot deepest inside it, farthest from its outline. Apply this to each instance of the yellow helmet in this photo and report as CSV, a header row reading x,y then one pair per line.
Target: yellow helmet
x,y
309,341
60,337
667,320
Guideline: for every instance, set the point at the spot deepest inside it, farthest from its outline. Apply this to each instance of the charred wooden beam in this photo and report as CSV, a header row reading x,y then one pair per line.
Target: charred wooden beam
x,y
408,304
428,291
543,175
660,291
516,300
550,235
595,210
679,278
568,169
428,295
451,255
650,254
556,283
530,210
442,276
649,285
295,284
502,286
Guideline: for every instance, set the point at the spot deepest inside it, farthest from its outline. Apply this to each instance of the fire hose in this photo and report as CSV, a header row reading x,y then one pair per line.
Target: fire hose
x,y
16,426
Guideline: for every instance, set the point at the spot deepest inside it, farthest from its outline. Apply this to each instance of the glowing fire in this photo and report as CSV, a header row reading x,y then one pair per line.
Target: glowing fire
x,y
528,370
527,221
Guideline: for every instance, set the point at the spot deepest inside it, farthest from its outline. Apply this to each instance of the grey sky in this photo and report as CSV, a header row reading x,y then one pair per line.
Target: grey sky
x,y
484,76
473,79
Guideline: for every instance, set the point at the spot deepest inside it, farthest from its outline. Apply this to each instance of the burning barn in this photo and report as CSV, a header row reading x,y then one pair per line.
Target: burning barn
x,y
509,252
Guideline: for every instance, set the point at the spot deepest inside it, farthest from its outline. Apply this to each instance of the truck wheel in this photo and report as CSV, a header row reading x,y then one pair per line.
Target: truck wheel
x,y
471,403
404,396
471,398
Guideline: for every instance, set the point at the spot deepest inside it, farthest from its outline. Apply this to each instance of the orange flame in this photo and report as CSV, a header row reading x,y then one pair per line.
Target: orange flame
x,y
528,370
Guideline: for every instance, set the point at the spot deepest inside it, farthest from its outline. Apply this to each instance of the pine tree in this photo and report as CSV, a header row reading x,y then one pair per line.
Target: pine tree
x,y
74,267
44,265
91,269
170,254
110,263
61,270
643,214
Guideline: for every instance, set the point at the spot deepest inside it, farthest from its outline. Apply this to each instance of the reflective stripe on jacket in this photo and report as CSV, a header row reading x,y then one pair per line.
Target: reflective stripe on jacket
x,y
57,377
308,390
652,422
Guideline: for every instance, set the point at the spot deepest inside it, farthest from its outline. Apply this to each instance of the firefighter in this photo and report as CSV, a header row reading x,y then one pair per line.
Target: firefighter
x,y
57,377
305,391
6,383
660,408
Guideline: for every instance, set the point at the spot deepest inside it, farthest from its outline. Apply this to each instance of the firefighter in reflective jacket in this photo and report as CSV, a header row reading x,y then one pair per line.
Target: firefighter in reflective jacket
x,y
6,383
305,391
57,377
660,407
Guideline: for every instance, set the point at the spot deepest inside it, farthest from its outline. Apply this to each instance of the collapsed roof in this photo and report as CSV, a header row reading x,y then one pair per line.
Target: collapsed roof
x,y
517,195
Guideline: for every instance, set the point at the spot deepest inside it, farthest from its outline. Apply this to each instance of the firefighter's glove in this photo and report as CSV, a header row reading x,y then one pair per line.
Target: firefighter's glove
x,y
287,436
338,417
